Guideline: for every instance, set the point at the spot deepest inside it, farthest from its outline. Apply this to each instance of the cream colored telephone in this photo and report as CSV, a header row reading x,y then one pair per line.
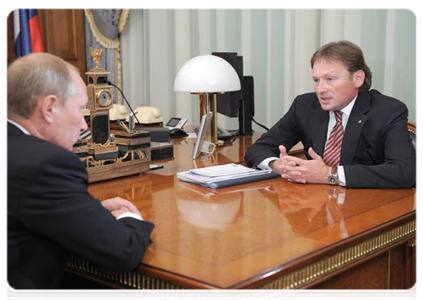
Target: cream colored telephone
x,y
118,112
147,115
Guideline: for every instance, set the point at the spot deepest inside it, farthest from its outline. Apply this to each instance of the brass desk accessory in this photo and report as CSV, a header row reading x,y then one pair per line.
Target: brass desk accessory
x,y
109,155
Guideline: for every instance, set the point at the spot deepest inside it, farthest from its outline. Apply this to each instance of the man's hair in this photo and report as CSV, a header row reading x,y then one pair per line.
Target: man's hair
x,y
34,76
349,54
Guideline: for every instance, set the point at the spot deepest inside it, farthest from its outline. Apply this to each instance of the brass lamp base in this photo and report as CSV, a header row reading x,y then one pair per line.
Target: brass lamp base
x,y
208,103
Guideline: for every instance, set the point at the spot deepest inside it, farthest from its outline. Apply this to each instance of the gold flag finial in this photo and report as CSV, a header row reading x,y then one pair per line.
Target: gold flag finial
x,y
96,54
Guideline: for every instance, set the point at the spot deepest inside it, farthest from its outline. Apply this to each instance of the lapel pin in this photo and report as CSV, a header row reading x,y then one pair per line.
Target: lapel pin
x,y
359,121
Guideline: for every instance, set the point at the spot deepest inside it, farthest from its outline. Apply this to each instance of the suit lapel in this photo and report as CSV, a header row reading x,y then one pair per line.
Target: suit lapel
x,y
354,127
319,121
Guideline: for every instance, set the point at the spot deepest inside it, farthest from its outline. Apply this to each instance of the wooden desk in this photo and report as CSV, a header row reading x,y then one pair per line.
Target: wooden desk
x,y
270,234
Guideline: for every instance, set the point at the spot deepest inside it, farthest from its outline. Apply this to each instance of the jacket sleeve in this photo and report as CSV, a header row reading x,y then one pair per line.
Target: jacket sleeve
x,y
285,132
58,206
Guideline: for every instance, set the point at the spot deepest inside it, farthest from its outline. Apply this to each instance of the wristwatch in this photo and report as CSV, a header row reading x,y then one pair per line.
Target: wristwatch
x,y
333,176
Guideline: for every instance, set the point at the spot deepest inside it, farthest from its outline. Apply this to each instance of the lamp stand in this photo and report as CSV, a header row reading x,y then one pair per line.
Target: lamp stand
x,y
208,103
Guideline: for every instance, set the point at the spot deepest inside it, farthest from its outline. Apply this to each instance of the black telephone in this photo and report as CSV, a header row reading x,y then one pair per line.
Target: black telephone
x,y
222,134
175,126
177,132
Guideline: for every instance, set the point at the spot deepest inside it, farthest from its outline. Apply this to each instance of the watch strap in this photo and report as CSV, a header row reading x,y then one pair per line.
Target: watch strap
x,y
333,176
334,171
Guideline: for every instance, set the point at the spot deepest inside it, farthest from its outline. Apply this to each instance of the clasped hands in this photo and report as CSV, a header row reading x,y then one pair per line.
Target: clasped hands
x,y
118,206
298,170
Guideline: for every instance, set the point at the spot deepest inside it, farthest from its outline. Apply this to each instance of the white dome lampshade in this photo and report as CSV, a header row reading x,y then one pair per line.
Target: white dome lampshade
x,y
207,74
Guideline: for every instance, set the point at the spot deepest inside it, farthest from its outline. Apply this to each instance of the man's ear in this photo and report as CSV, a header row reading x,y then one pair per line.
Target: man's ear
x,y
49,105
359,77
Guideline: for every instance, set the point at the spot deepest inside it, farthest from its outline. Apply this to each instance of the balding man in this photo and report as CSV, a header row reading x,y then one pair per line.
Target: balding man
x,y
50,212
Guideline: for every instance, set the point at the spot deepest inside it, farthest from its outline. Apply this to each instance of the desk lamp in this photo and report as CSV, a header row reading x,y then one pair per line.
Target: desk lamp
x,y
207,75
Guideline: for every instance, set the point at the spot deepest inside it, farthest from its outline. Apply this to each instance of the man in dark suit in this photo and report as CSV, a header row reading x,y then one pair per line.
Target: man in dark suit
x,y
50,212
351,136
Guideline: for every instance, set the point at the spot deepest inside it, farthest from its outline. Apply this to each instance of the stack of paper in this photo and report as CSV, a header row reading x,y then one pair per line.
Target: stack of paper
x,y
224,175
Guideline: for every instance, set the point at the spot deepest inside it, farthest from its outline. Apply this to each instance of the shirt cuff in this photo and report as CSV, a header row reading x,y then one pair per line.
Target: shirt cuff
x,y
264,165
130,215
341,176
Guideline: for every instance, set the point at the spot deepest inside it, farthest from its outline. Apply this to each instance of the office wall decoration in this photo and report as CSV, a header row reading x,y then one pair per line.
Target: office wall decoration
x,y
102,29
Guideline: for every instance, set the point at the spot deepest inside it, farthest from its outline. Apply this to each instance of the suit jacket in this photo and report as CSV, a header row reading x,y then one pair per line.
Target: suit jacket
x,y
51,214
376,150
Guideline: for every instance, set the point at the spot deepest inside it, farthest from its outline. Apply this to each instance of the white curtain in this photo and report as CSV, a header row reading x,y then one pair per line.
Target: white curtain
x,y
276,46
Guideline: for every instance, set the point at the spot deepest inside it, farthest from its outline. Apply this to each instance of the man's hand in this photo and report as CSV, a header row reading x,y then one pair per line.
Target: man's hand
x,y
276,165
116,213
298,170
119,205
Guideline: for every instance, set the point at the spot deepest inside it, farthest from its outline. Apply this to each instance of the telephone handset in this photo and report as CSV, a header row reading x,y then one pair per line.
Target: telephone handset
x,y
147,115
117,112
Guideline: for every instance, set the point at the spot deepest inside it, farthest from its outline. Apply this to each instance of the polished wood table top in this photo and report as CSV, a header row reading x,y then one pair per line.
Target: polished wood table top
x,y
243,236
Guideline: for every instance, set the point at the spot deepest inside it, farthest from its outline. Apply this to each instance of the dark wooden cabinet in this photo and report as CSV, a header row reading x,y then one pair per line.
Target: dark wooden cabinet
x,y
10,40
393,269
63,35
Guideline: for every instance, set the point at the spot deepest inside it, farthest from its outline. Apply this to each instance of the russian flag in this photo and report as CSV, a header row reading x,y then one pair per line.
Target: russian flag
x,y
27,32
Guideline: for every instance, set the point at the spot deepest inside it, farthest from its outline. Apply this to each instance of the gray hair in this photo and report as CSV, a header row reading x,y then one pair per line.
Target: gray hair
x,y
34,76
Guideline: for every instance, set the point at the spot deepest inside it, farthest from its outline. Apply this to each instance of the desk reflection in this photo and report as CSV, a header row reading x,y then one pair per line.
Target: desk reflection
x,y
306,208
208,209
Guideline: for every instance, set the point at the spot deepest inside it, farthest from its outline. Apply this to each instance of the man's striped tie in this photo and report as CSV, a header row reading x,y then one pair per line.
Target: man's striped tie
x,y
332,154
